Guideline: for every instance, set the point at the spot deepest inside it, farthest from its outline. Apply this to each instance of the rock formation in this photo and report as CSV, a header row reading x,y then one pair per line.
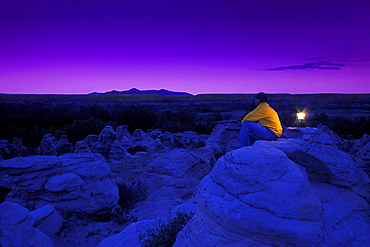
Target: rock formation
x,y
47,146
168,180
360,144
16,227
141,136
117,152
5,149
167,139
47,219
259,196
114,145
224,137
301,190
70,183
323,160
19,149
361,152
105,141
189,140
83,147
123,137
154,134
64,146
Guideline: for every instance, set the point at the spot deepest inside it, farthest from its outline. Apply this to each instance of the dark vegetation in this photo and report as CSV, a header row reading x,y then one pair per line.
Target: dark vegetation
x,y
165,233
31,121
30,117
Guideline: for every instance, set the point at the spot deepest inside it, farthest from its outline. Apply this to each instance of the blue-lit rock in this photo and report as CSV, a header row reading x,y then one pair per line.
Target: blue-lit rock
x,y
17,230
70,182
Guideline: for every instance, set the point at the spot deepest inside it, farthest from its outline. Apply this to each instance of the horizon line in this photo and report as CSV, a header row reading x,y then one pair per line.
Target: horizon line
x,y
203,93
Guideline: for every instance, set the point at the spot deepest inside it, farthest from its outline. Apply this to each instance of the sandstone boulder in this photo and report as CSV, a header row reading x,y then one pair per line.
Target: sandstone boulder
x,y
224,137
360,144
70,182
16,227
189,140
47,219
167,139
324,161
363,158
258,196
65,182
48,145
168,180
255,195
335,138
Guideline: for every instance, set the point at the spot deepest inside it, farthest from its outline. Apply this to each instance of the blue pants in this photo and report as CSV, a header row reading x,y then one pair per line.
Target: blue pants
x,y
250,132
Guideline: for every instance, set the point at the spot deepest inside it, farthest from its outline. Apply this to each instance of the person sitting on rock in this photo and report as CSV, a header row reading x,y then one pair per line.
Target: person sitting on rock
x,y
268,126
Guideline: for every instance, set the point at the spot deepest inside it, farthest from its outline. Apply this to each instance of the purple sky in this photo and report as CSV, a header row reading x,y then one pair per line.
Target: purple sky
x,y
202,46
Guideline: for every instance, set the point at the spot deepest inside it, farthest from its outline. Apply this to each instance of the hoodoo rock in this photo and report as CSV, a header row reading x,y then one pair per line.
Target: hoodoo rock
x,y
123,137
19,149
64,146
48,146
105,141
140,136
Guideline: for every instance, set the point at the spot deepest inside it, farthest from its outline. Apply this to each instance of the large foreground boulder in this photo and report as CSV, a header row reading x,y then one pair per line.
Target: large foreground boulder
x,y
16,228
257,196
324,161
70,182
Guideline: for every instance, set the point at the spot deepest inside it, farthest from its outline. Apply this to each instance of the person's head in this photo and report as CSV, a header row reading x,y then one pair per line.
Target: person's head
x,y
261,97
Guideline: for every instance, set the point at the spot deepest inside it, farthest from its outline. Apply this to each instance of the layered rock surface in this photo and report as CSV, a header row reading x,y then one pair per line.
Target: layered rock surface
x,y
258,196
301,190
70,182
167,179
16,227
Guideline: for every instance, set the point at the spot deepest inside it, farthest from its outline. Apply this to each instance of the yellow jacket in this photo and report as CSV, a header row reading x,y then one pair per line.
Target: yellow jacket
x,y
267,117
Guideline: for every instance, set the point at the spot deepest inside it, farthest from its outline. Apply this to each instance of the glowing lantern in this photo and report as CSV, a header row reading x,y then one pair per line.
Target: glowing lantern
x,y
301,115
301,119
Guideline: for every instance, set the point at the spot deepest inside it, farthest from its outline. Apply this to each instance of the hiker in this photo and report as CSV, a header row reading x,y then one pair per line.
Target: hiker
x,y
268,126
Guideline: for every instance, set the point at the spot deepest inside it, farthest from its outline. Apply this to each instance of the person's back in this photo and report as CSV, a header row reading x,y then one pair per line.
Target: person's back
x,y
268,127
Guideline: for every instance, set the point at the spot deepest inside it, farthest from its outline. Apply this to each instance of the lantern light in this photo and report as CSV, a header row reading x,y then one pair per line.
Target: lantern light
x,y
301,115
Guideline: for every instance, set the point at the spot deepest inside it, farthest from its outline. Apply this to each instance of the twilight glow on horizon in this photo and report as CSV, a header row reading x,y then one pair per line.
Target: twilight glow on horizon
x,y
203,46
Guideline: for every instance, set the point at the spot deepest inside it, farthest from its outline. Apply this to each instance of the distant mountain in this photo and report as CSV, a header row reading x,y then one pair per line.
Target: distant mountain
x,y
163,92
